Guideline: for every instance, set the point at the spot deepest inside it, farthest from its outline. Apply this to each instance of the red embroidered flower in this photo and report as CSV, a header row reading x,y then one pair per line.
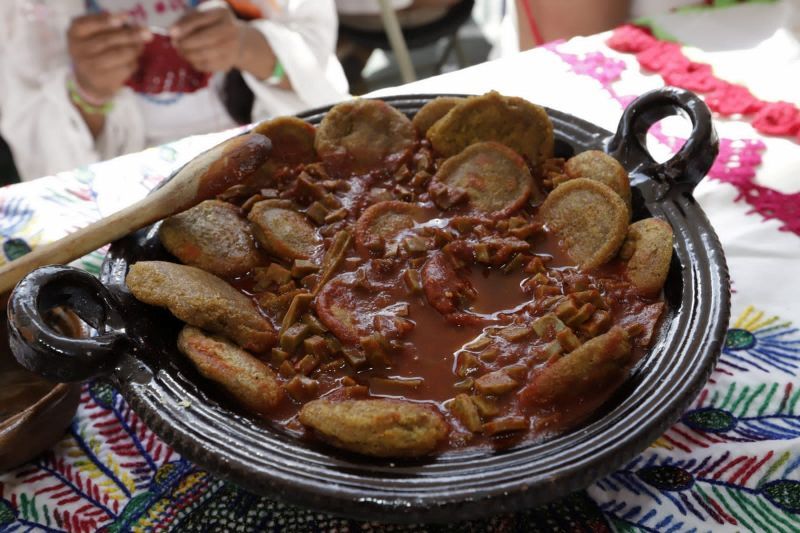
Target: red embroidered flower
x,y
662,56
730,99
693,76
630,38
777,118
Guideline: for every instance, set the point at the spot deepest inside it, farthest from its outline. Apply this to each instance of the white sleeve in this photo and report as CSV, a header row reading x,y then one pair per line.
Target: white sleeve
x,y
44,130
303,38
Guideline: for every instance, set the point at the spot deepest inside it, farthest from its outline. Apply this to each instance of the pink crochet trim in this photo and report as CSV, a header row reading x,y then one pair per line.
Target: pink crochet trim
x,y
738,159
667,59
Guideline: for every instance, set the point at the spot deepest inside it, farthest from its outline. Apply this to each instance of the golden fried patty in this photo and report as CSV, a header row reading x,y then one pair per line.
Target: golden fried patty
x,y
211,236
601,167
431,112
494,177
647,250
512,121
361,136
383,221
381,428
283,232
249,380
203,300
589,219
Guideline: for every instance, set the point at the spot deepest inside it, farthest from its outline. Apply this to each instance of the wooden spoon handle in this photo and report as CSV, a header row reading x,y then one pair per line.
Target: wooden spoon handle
x,y
202,178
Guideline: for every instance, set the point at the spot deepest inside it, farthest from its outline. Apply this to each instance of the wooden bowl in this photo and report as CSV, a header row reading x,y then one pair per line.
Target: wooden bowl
x,y
34,412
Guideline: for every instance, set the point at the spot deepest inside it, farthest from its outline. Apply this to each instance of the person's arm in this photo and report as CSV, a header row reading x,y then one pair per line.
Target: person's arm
x,y
567,18
45,130
104,51
297,41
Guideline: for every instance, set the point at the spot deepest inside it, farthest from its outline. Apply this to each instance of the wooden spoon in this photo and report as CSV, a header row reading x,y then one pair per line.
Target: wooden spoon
x,y
202,178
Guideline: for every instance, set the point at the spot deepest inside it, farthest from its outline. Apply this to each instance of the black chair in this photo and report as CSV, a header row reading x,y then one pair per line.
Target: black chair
x,y
420,36
8,170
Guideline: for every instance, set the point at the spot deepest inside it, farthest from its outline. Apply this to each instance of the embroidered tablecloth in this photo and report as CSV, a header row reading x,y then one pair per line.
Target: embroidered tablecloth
x,y
731,463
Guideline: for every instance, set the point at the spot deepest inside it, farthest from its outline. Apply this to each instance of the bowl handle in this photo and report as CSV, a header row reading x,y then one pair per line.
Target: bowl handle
x,y
40,348
692,161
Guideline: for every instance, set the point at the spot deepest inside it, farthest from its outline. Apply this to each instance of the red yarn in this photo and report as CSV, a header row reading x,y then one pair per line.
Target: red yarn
x,y
629,38
777,118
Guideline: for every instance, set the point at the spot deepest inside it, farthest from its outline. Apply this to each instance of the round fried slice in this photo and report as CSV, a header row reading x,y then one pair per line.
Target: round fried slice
x,y
282,232
376,427
361,136
383,221
249,380
495,178
203,300
431,112
337,309
599,166
211,236
509,120
589,219
648,251
292,140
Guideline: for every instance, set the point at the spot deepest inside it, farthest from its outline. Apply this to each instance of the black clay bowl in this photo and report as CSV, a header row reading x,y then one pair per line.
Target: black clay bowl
x,y
136,349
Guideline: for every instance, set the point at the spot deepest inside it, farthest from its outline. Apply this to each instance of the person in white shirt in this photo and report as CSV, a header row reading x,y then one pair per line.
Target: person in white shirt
x,y
86,80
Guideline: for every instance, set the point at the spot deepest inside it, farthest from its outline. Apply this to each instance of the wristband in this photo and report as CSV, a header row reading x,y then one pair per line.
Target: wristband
x,y
90,108
277,74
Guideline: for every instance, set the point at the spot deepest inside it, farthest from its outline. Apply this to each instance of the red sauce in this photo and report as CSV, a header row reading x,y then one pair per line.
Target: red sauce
x,y
425,364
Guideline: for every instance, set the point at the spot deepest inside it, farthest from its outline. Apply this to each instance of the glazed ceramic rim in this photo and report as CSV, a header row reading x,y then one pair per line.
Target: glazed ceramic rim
x,y
472,483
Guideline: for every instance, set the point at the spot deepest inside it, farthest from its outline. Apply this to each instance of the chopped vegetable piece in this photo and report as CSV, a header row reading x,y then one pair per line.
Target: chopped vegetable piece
x,y
278,356
490,354
286,369
274,274
466,412
300,304
317,212
302,388
485,406
293,336
515,333
567,339
505,424
307,364
316,345
374,346
478,343
303,267
464,385
467,364
415,244
336,215
334,257
582,316
495,383
547,326
413,280
313,322
517,371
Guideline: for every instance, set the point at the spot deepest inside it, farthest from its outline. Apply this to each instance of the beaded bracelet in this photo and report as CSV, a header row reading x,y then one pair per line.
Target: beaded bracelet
x,y
83,104
277,74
